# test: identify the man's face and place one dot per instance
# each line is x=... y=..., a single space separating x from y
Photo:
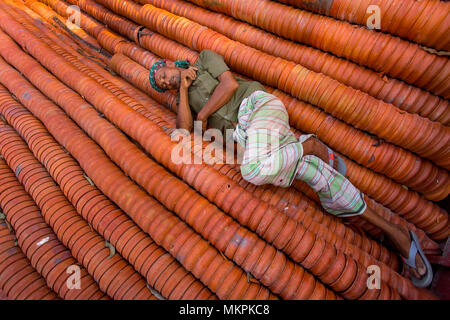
x=168 y=78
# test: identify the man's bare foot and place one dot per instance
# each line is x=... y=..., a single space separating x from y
x=422 y=274
x=402 y=241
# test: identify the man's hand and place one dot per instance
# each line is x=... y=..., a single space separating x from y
x=187 y=76
x=204 y=121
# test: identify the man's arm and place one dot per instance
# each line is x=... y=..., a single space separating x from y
x=221 y=95
x=184 y=115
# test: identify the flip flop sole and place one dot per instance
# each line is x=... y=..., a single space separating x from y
x=425 y=281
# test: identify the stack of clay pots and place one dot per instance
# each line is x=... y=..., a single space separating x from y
x=89 y=152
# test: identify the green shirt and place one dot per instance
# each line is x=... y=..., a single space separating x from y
x=210 y=66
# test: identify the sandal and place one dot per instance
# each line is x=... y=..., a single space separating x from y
x=415 y=248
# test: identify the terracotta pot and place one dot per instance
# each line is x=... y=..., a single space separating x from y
x=347 y=277
x=358 y=286
x=320 y=294
x=308 y=286
x=324 y=263
x=335 y=269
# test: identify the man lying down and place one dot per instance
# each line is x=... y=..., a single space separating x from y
x=218 y=99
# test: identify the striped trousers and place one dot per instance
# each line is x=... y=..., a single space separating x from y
x=274 y=155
